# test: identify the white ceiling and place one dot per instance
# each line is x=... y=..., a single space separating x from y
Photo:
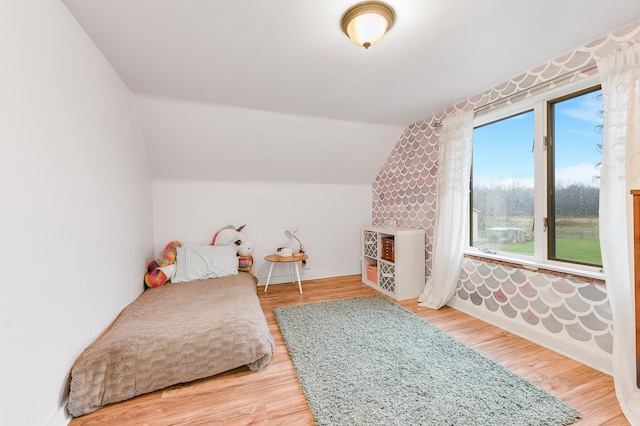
x=290 y=57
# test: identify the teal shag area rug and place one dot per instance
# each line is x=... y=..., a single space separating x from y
x=368 y=361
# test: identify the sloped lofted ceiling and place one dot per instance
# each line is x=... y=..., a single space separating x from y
x=276 y=88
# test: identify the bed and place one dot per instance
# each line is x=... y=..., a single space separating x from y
x=173 y=334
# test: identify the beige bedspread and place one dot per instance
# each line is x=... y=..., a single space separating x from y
x=173 y=334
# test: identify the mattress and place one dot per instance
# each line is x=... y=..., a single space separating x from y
x=173 y=334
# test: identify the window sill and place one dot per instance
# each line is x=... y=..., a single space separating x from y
x=571 y=274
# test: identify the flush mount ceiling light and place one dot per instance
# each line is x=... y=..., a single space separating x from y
x=366 y=23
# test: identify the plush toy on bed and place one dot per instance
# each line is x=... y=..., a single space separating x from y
x=162 y=267
x=229 y=235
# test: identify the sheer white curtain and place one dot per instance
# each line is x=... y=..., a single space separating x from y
x=620 y=78
x=452 y=210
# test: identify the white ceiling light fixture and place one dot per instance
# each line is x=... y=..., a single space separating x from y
x=366 y=23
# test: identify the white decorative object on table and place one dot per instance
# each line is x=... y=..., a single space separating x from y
x=284 y=251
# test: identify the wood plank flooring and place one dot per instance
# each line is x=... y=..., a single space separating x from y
x=273 y=396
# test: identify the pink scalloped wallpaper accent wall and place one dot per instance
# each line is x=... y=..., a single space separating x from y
x=405 y=191
x=405 y=188
x=571 y=311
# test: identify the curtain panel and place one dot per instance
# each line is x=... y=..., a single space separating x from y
x=620 y=172
x=452 y=209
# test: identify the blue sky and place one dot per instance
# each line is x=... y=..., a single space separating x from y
x=510 y=158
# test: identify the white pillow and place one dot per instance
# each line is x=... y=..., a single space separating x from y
x=202 y=262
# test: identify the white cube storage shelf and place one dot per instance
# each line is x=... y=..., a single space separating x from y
x=403 y=278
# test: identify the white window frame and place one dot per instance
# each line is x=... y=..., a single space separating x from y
x=539 y=260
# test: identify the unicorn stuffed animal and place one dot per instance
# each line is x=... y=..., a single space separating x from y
x=231 y=236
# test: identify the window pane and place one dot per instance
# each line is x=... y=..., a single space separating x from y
x=502 y=181
x=573 y=201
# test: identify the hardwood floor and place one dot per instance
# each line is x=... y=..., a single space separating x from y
x=273 y=397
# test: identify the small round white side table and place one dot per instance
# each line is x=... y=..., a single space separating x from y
x=291 y=260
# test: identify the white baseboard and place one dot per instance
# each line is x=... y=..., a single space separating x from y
x=599 y=362
x=307 y=274
x=60 y=417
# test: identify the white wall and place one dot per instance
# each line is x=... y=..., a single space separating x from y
x=328 y=218
x=75 y=204
x=218 y=143
x=271 y=171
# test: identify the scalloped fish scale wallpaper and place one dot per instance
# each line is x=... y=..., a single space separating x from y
x=405 y=191
x=579 y=311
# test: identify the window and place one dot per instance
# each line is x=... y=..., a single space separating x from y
x=574 y=194
x=534 y=191
x=502 y=185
